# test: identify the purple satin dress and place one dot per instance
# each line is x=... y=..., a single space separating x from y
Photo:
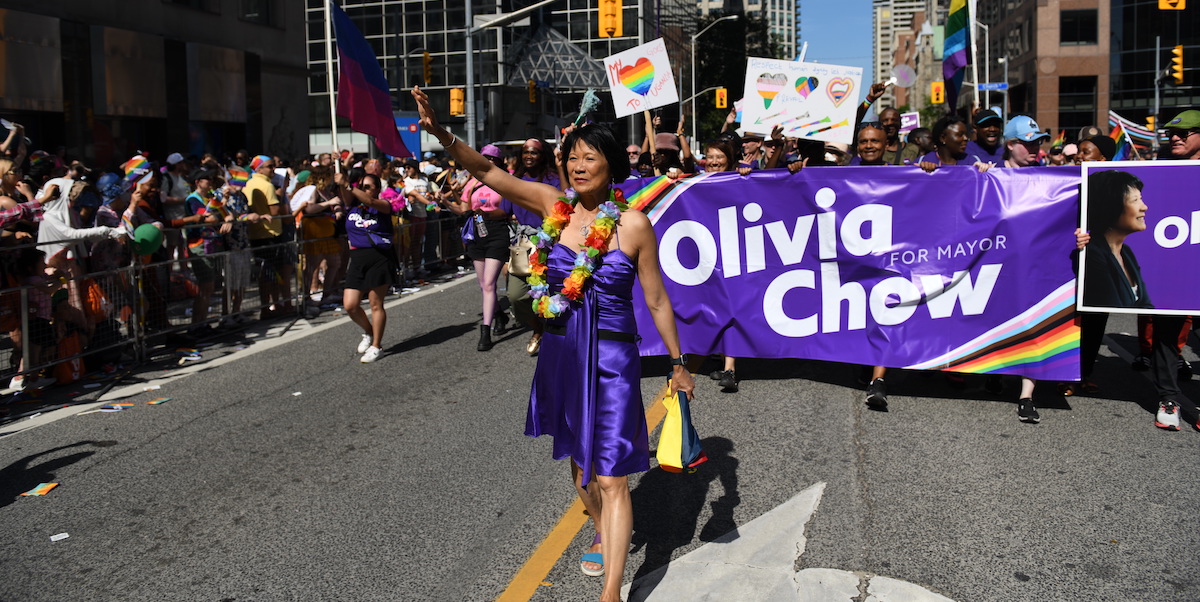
x=586 y=391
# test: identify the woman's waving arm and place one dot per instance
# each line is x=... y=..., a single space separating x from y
x=534 y=196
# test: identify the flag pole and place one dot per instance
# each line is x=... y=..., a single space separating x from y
x=337 y=157
x=971 y=22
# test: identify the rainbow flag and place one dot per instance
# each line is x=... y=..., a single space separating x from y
x=956 y=54
x=1124 y=146
x=41 y=489
x=1060 y=140
x=238 y=177
x=135 y=168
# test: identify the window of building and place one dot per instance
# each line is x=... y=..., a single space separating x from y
x=1076 y=102
x=212 y=6
x=1078 y=27
x=256 y=11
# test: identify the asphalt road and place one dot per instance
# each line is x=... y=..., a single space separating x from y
x=410 y=479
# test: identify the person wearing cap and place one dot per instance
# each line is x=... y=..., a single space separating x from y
x=666 y=155
x=489 y=250
x=267 y=240
x=1098 y=148
x=1183 y=131
x=988 y=143
x=753 y=155
x=535 y=166
x=175 y=191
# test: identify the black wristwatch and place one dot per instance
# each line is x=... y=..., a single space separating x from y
x=680 y=361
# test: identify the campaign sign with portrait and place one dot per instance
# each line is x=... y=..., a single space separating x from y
x=640 y=78
x=1144 y=221
x=810 y=100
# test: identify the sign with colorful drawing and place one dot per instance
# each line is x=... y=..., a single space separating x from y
x=640 y=78
x=810 y=100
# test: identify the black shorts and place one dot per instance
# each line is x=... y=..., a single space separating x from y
x=492 y=246
x=273 y=253
x=205 y=269
x=369 y=268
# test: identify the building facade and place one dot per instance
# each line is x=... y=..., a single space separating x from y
x=890 y=20
x=106 y=78
x=782 y=16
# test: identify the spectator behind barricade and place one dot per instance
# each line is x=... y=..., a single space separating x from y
x=753 y=155
x=203 y=206
x=175 y=189
x=15 y=146
x=29 y=269
x=667 y=155
x=634 y=152
x=317 y=206
x=1070 y=154
x=988 y=143
x=535 y=167
x=13 y=184
x=237 y=241
x=268 y=242
x=416 y=196
x=950 y=139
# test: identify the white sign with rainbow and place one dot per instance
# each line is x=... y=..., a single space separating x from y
x=640 y=78
x=810 y=100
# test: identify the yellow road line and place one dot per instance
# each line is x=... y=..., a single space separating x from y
x=527 y=580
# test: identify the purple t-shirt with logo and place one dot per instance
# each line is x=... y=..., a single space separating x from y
x=366 y=227
x=996 y=157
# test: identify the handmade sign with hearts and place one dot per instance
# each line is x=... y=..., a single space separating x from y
x=769 y=86
x=638 y=76
x=805 y=85
x=839 y=90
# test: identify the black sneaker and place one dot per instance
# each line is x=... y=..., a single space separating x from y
x=1185 y=369
x=728 y=382
x=1026 y=412
x=1141 y=363
x=877 y=395
x=716 y=374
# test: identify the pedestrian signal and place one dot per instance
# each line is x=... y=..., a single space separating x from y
x=1172 y=4
x=1177 y=64
x=937 y=92
x=611 y=19
x=532 y=91
x=722 y=98
x=458 y=101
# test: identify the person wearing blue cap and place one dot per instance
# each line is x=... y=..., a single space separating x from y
x=1023 y=142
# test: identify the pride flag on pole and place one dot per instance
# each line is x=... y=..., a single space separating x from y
x=1124 y=146
x=956 y=53
x=363 y=94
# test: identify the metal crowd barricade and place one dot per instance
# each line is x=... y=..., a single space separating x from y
x=135 y=306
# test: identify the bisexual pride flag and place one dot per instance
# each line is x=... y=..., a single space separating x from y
x=363 y=95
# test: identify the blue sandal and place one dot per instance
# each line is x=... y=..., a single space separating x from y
x=593 y=557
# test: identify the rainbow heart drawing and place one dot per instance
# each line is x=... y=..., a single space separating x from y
x=639 y=76
x=805 y=85
x=769 y=85
x=839 y=90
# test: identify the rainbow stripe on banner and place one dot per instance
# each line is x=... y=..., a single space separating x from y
x=645 y=198
x=238 y=177
x=1040 y=338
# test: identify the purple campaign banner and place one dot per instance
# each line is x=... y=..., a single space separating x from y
x=1168 y=250
x=953 y=270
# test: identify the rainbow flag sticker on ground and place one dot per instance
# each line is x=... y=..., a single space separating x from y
x=41 y=489
x=157 y=401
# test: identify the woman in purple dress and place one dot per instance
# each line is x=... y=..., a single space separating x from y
x=587 y=388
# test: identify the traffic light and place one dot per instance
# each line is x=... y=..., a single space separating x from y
x=1177 y=64
x=532 y=91
x=937 y=92
x=610 y=19
x=1150 y=123
x=458 y=101
x=1172 y=4
x=428 y=68
x=722 y=98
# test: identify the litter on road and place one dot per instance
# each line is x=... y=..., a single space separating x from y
x=156 y=401
x=59 y=537
x=41 y=489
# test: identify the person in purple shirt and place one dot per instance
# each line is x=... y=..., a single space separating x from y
x=950 y=138
x=988 y=144
x=535 y=166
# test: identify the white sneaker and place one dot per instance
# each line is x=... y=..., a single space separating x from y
x=1168 y=416
x=17 y=383
x=371 y=355
x=364 y=344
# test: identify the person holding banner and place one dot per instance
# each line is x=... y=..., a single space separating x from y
x=950 y=138
x=586 y=391
x=1113 y=278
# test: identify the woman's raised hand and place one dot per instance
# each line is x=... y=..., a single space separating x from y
x=428 y=119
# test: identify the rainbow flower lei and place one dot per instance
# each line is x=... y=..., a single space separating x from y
x=594 y=245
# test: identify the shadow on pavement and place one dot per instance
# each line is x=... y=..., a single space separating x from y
x=667 y=505
x=19 y=477
x=433 y=337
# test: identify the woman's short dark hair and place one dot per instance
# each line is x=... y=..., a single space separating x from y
x=727 y=150
x=1106 y=197
x=601 y=138
x=942 y=124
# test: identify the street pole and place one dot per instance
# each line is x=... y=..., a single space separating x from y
x=695 y=149
x=470 y=95
x=987 y=64
x=1157 y=78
